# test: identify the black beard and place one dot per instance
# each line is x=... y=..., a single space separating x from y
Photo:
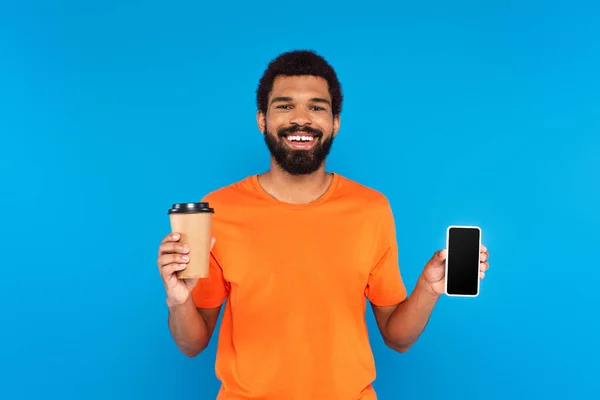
x=298 y=162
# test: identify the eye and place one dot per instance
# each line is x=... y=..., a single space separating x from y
x=284 y=107
x=317 y=108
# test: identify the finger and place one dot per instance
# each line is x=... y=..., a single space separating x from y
x=440 y=255
x=172 y=237
x=173 y=247
x=483 y=257
x=482 y=275
x=439 y=258
x=483 y=266
x=173 y=258
x=191 y=283
x=484 y=249
x=169 y=269
x=212 y=242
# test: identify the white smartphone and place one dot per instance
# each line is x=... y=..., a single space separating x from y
x=463 y=244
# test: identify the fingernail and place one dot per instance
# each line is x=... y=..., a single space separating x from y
x=185 y=258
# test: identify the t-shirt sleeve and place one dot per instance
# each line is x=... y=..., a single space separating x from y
x=385 y=286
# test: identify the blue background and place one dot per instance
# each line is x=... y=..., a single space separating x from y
x=472 y=112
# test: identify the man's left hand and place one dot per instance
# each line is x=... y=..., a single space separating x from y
x=434 y=273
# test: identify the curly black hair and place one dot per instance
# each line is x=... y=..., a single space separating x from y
x=298 y=63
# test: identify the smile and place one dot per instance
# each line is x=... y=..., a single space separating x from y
x=300 y=141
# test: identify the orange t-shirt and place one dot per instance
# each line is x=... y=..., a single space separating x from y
x=295 y=279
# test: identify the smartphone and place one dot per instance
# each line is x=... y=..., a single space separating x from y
x=463 y=244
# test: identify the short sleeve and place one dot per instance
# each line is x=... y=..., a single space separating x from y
x=385 y=286
x=210 y=292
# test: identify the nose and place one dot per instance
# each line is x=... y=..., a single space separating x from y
x=300 y=117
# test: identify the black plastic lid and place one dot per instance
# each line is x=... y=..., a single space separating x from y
x=190 y=208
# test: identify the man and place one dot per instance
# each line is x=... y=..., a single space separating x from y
x=296 y=252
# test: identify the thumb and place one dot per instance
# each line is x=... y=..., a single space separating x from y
x=439 y=258
x=190 y=283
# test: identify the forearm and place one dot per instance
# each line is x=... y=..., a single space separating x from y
x=409 y=319
x=188 y=328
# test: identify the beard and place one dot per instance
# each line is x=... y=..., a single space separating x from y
x=298 y=162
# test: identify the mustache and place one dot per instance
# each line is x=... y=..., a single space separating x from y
x=317 y=133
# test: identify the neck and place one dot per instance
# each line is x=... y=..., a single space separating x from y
x=293 y=189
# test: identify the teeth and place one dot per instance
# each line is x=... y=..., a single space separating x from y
x=300 y=138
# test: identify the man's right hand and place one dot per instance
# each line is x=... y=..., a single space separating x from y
x=173 y=256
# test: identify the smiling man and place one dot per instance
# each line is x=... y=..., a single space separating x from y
x=297 y=253
x=299 y=145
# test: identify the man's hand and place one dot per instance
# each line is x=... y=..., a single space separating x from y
x=173 y=257
x=434 y=273
x=402 y=324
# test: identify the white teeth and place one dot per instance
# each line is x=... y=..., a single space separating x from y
x=300 y=138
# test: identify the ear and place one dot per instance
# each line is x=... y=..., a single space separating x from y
x=261 y=121
x=336 y=124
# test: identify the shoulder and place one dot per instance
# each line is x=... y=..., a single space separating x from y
x=230 y=193
x=375 y=199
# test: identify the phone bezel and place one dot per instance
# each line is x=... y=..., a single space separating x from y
x=448 y=256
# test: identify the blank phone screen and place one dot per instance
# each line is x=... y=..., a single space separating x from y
x=463 y=261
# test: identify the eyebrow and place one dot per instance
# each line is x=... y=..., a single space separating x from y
x=314 y=100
